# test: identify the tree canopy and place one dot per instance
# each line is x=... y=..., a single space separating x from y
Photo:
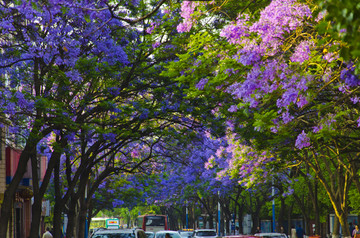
x=211 y=94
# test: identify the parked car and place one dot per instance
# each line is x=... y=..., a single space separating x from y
x=240 y=236
x=186 y=233
x=150 y=234
x=172 y=234
x=119 y=233
x=205 y=233
x=271 y=235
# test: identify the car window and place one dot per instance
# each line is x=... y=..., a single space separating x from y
x=150 y=235
x=206 y=233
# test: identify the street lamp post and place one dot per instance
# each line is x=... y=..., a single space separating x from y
x=187 y=216
x=219 y=221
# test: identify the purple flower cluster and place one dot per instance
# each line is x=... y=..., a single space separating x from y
x=201 y=84
x=280 y=17
x=237 y=31
x=302 y=141
x=63 y=33
x=276 y=20
x=302 y=51
x=187 y=11
x=348 y=76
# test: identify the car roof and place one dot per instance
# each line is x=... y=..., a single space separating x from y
x=101 y=231
x=270 y=234
x=167 y=231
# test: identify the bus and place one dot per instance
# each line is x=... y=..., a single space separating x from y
x=104 y=222
x=152 y=223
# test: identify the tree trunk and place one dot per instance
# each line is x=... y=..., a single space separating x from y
x=211 y=221
x=227 y=226
x=58 y=208
x=82 y=219
x=281 y=215
x=240 y=219
x=71 y=217
x=39 y=191
x=37 y=205
x=336 y=228
x=83 y=209
x=289 y=219
x=344 y=223
x=316 y=210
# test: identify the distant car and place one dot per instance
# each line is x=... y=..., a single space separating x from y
x=173 y=234
x=240 y=236
x=205 y=233
x=119 y=233
x=186 y=234
x=271 y=235
x=150 y=234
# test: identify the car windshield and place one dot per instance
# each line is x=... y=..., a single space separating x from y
x=114 y=235
x=206 y=233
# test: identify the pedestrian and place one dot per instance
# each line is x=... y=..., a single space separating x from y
x=257 y=230
x=282 y=230
x=351 y=227
x=356 y=232
x=299 y=232
x=237 y=229
x=47 y=233
x=293 y=232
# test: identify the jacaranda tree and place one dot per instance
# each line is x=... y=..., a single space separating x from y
x=294 y=99
x=85 y=75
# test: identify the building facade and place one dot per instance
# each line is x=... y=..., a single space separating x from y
x=20 y=222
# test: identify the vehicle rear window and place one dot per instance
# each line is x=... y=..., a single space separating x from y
x=155 y=221
x=206 y=233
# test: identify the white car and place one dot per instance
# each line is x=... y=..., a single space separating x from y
x=119 y=233
x=172 y=234
x=271 y=235
x=205 y=233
